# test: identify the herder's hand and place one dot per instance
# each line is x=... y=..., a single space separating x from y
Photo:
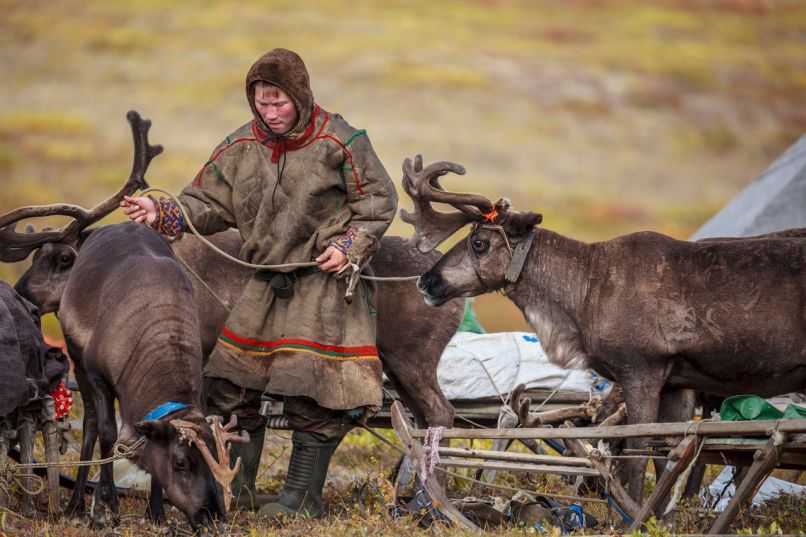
x=139 y=209
x=331 y=260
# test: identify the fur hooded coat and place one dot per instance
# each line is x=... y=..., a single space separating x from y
x=291 y=197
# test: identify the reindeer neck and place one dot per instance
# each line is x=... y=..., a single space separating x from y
x=556 y=271
x=150 y=387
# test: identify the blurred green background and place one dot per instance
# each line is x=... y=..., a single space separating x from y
x=606 y=116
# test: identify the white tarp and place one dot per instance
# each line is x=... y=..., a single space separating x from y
x=475 y=366
x=723 y=490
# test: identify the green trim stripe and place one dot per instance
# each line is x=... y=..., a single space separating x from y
x=354 y=136
x=215 y=168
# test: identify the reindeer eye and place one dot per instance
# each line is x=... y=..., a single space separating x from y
x=65 y=260
x=480 y=245
x=181 y=464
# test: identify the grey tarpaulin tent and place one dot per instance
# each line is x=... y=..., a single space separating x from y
x=774 y=201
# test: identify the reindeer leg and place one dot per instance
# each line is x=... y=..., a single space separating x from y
x=676 y=405
x=403 y=472
x=642 y=396
x=427 y=403
x=156 y=509
x=105 y=492
x=76 y=505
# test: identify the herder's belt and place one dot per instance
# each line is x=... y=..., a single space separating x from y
x=282 y=283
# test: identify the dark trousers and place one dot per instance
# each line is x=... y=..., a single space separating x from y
x=303 y=413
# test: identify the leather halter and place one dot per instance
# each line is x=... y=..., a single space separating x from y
x=517 y=257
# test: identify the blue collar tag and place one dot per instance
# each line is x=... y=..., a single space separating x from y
x=163 y=410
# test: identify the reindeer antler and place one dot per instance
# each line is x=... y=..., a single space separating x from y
x=422 y=185
x=520 y=405
x=16 y=246
x=220 y=468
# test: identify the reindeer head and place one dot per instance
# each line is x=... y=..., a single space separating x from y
x=494 y=251
x=43 y=283
x=180 y=460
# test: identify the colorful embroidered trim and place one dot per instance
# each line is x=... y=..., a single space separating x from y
x=62 y=400
x=170 y=221
x=281 y=144
x=290 y=145
x=265 y=348
x=350 y=158
x=345 y=242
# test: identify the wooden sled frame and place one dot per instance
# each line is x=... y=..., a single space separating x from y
x=704 y=439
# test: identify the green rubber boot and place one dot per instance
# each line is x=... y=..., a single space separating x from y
x=307 y=471
x=244 y=493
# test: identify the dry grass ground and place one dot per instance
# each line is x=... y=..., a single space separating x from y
x=359 y=498
x=606 y=116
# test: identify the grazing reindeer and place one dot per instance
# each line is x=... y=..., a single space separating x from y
x=129 y=320
x=723 y=316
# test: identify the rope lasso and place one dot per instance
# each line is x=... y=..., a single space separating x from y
x=120 y=451
x=253 y=265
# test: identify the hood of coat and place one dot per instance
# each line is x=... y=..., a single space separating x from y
x=286 y=70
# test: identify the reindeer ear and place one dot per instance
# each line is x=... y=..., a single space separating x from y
x=519 y=224
x=156 y=430
x=84 y=235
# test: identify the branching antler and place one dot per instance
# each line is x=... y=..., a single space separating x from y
x=422 y=185
x=16 y=246
x=520 y=405
x=222 y=435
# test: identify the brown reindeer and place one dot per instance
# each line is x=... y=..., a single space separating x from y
x=648 y=311
x=129 y=320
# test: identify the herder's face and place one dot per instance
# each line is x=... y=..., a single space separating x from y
x=276 y=108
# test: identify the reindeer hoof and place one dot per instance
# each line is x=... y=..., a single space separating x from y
x=102 y=516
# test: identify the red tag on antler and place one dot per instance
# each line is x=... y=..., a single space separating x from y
x=491 y=216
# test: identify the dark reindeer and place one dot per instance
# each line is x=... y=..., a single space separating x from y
x=129 y=320
x=721 y=316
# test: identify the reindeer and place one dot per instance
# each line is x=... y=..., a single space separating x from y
x=723 y=316
x=129 y=320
